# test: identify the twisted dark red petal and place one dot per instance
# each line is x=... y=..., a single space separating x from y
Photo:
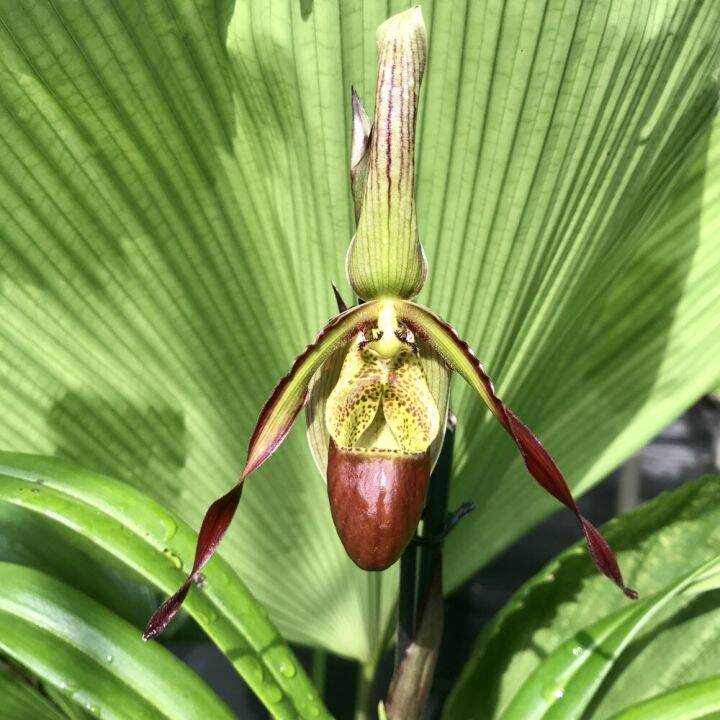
x=214 y=525
x=543 y=468
x=270 y=430
x=537 y=459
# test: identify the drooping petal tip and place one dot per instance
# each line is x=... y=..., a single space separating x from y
x=166 y=612
x=604 y=558
x=216 y=521
x=538 y=461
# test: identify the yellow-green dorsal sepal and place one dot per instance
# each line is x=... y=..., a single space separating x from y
x=385 y=256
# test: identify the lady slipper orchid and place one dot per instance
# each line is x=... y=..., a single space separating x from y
x=375 y=383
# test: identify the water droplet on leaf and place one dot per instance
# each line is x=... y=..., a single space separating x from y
x=272 y=692
x=254 y=670
x=173 y=557
x=169 y=528
x=287 y=668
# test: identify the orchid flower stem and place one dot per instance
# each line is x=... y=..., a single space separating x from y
x=406 y=601
x=435 y=516
x=435 y=528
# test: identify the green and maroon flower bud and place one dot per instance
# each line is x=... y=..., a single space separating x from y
x=385 y=256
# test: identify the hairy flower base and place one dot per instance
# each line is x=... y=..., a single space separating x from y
x=376 y=498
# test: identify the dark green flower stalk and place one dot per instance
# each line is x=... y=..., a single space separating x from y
x=375 y=382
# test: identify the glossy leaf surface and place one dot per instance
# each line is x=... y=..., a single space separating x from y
x=565 y=682
x=175 y=201
x=93 y=656
x=565 y=646
x=695 y=701
x=29 y=540
x=21 y=701
x=156 y=547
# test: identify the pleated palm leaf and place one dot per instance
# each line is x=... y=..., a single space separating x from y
x=175 y=202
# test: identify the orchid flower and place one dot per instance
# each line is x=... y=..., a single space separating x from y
x=375 y=382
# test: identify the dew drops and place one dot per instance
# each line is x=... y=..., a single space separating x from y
x=173 y=557
x=553 y=694
x=577 y=651
x=211 y=617
x=169 y=528
x=68 y=687
x=272 y=692
x=287 y=668
x=645 y=134
x=108 y=658
x=253 y=670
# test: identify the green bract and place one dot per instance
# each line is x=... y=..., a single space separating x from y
x=385 y=256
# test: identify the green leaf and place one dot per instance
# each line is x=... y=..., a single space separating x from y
x=569 y=637
x=72 y=710
x=21 y=701
x=690 y=702
x=155 y=546
x=92 y=655
x=32 y=541
x=176 y=200
x=565 y=682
